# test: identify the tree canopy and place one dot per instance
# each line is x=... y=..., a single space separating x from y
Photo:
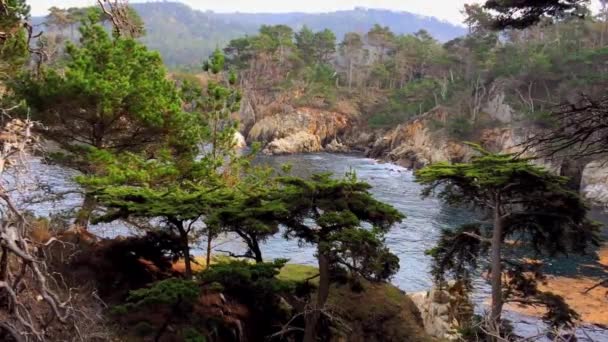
x=331 y=214
x=524 y=203
x=520 y=14
x=113 y=94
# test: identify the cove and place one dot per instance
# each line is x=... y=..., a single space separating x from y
x=409 y=240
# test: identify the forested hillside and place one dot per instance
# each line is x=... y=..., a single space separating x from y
x=182 y=35
x=479 y=81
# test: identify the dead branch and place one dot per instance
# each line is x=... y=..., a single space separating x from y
x=581 y=130
x=15 y=143
x=119 y=13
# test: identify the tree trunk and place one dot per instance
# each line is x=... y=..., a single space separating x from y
x=4 y=264
x=84 y=214
x=496 y=269
x=186 y=250
x=257 y=252
x=312 y=319
x=350 y=74
x=209 y=239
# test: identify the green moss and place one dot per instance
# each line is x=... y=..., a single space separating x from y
x=381 y=312
x=297 y=273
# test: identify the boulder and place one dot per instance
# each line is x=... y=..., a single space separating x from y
x=444 y=310
x=239 y=140
x=336 y=147
x=300 y=142
x=594 y=182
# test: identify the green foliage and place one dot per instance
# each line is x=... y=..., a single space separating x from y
x=170 y=291
x=415 y=98
x=253 y=283
x=526 y=203
x=180 y=187
x=521 y=14
x=339 y=208
x=108 y=86
x=215 y=64
x=457 y=253
x=459 y=127
x=13 y=46
x=254 y=212
x=305 y=42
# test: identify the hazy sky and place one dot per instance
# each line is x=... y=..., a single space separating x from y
x=443 y=9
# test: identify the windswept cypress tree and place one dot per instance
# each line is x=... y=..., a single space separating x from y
x=254 y=213
x=524 y=203
x=331 y=214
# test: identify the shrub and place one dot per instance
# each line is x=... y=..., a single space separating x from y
x=459 y=127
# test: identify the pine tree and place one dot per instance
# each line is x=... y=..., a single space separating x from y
x=254 y=213
x=183 y=188
x=112 y=95
x=13 y=37
x=324 y=43
x=305 y=42
x=524 y=203
x=330 y=213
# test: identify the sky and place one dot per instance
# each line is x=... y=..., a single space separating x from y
x=443 y=9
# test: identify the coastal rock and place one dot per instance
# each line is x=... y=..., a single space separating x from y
x=336 y=146
x=239 y=140
x=594 y=182
x=295 y=143
x=497 y=109
x=299 y=130
x=444 y=311
x=414 y=145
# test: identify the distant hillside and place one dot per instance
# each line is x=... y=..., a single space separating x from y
x=185 y=36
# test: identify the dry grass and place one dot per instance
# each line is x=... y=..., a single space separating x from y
x=592 y=306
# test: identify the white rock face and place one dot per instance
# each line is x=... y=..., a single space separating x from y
x=336 y=147
x=594 y=183
x=498 y=109
x=239 y=140
x=300 y=142
x=443 y=310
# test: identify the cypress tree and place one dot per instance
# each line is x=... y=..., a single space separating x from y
x=331 y=214
x=524 y=203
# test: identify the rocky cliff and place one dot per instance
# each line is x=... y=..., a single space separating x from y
x=299 y=130
x=284 y=128
x=418 y=142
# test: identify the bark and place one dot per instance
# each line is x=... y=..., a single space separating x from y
x=209 y=239
x=257 y=252
x=496 y=267
x=86 y=210
x=4 y=264
x=312 y=319
x=186 y=250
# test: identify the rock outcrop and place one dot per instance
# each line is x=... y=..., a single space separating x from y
x=414 y=145
x=239 y=141
x=444 y=311
x=299 y=142
x=301 y=130
x=594 y=182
